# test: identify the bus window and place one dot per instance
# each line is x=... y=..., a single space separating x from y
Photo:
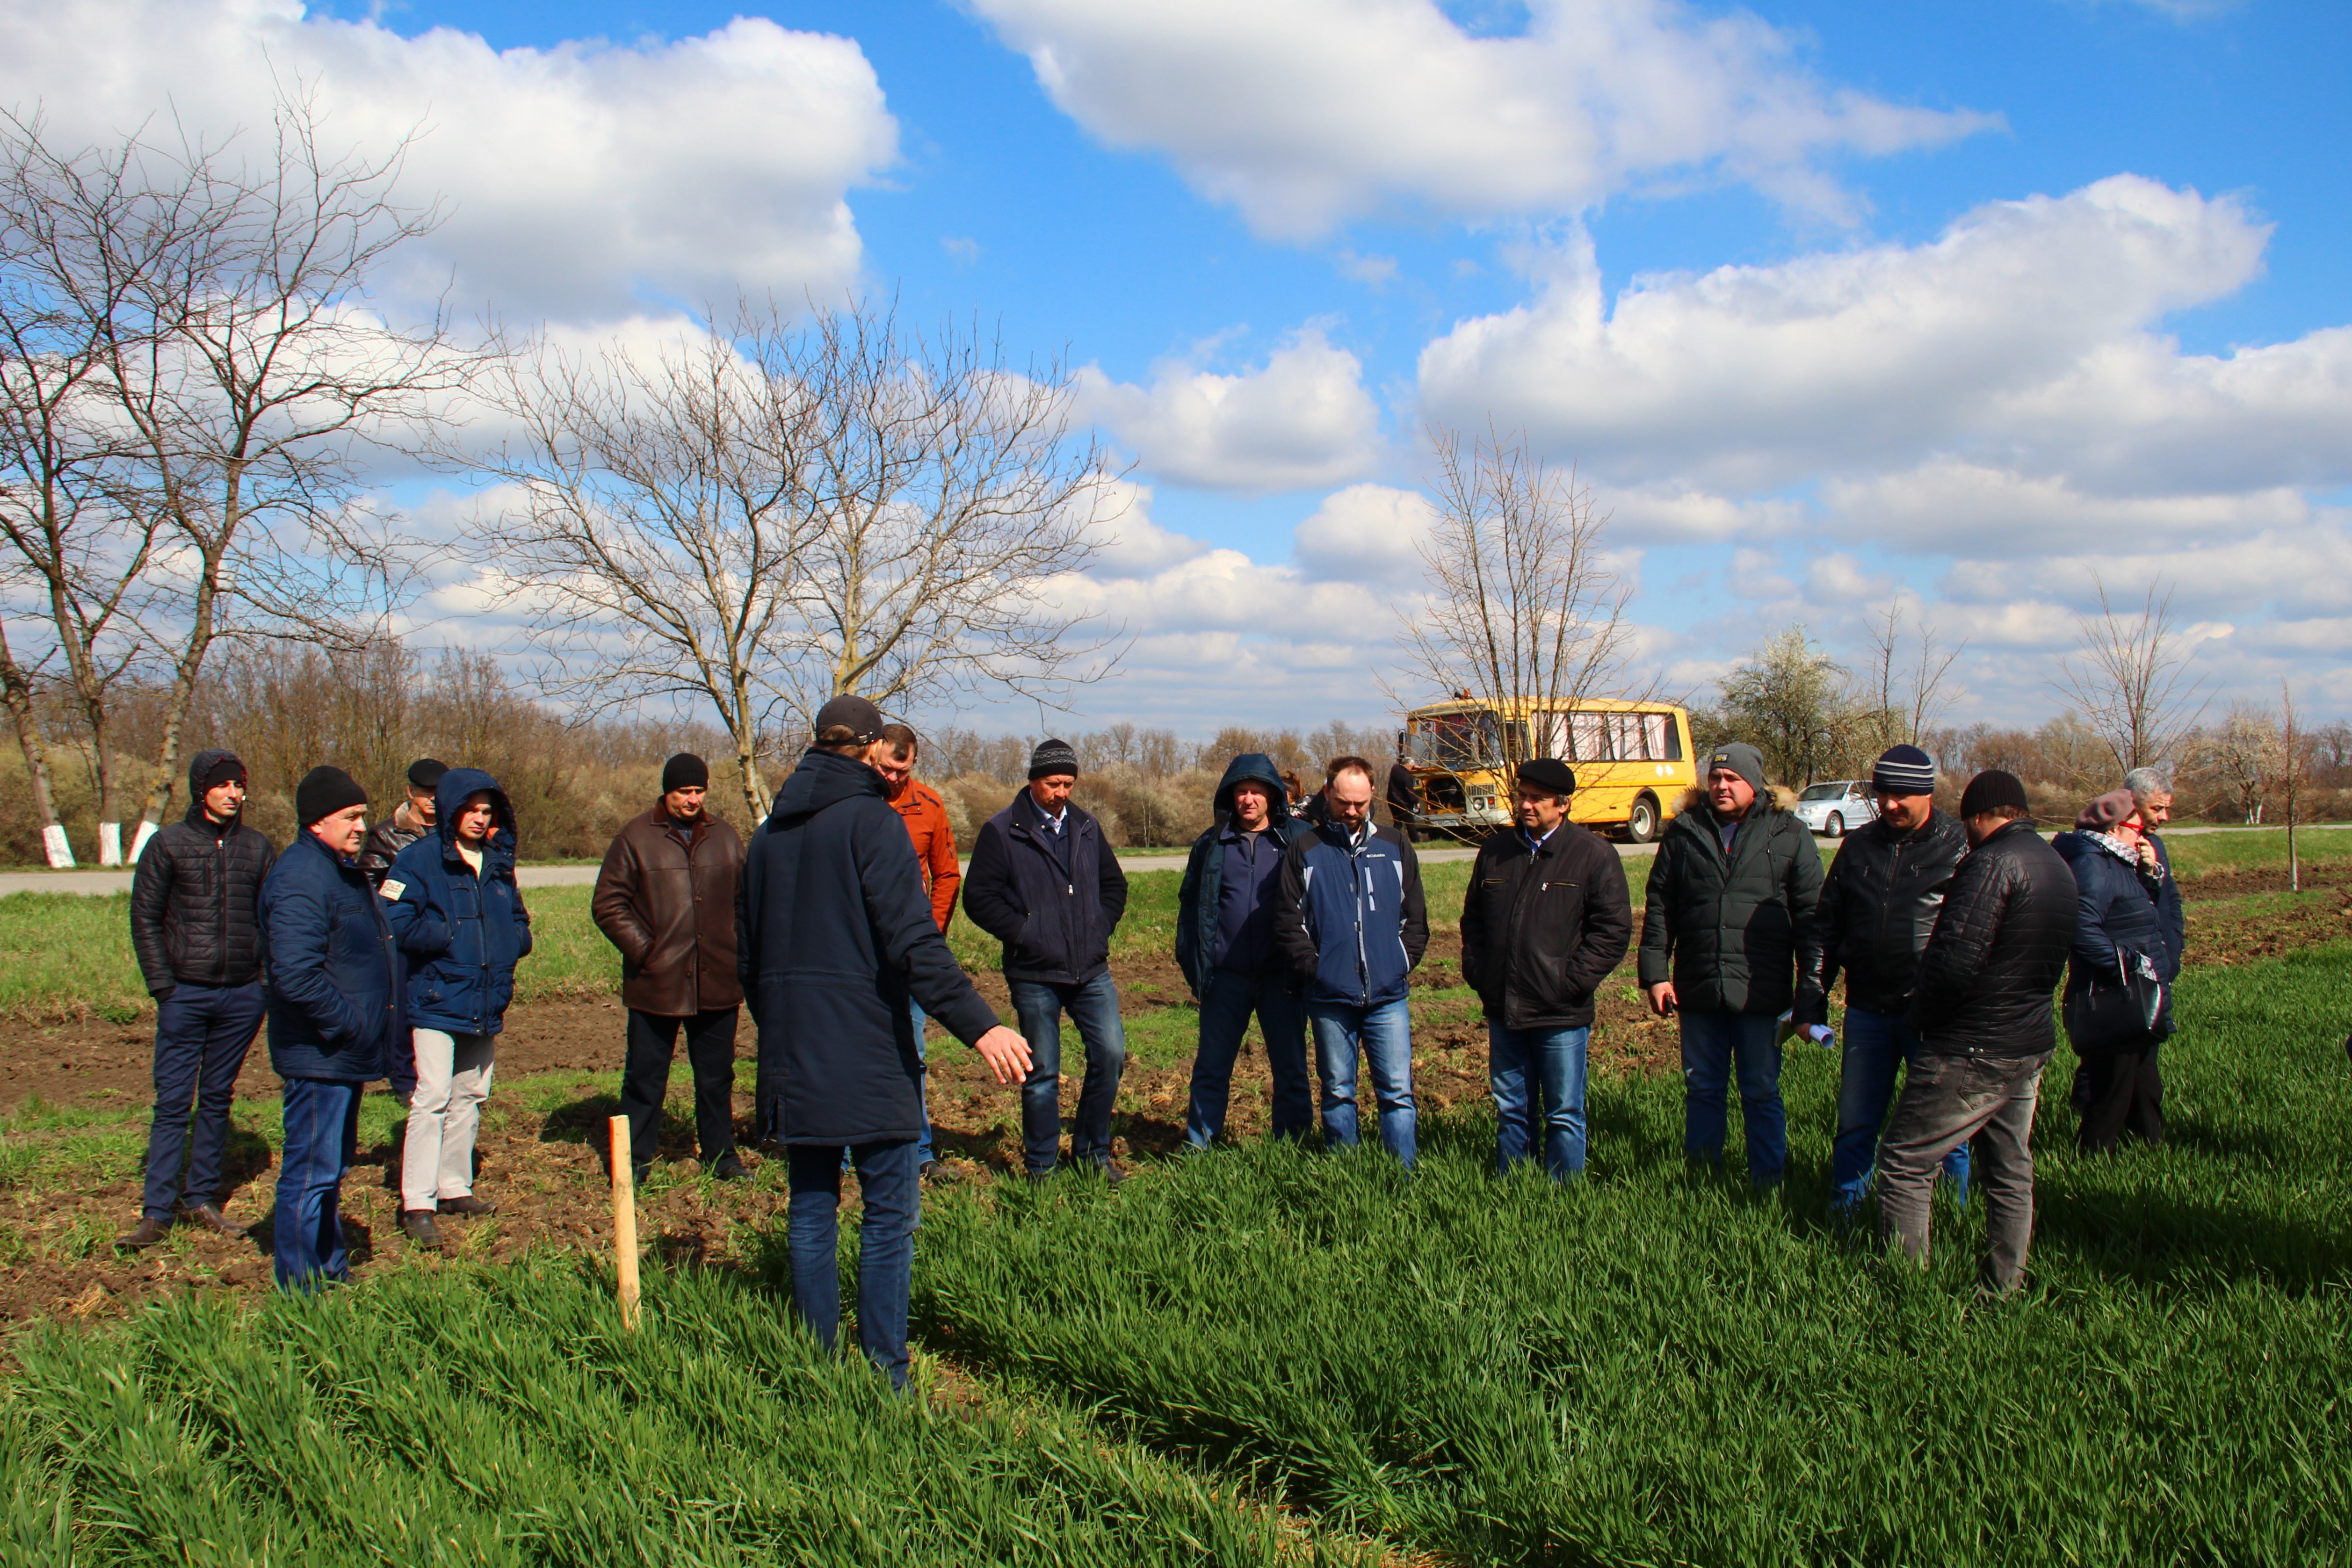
x=1673 y=749
x=1455 y=740
x=1590 y=732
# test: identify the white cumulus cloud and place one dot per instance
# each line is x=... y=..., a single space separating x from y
x=1306 y=113
x=1300 y=420
x=2006 y=335
x=579 y=178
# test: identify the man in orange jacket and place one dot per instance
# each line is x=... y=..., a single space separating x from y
x=926 y=816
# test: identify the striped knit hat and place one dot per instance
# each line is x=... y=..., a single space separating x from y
x=1904 y=770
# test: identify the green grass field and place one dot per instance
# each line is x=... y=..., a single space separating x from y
x=1660 y=1367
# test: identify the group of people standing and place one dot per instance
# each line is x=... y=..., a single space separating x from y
x=392 y=953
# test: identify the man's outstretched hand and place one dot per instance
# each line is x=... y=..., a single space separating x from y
x=1007 y=1053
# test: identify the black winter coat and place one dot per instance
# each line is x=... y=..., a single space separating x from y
x=2119 y=906
x=195 y=897
x=1737 y=933
x=833 y=930
x=1053 y=918
x=1542 y=928
x=1879 y=904
x=1997 y=950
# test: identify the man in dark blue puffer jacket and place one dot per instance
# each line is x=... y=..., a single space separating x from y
x=329 y=984
x=1349 y=917
x=1226 y=947
x=453 y=901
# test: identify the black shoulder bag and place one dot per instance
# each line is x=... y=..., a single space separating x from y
x=2106 y=1015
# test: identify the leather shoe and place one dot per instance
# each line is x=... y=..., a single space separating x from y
x=1112 y=1172
x=927 y=1170
x=729 y=1168
x=209 y=1216
x=417 y=1224
x=467 y=1204
x=151 y=1231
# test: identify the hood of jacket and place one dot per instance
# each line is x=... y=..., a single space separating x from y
x=825 y=779
x=450 y=794
x=2079 y=845
x=1254 y=765
x=198 y=765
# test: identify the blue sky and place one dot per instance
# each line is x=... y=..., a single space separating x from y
x=1939 y=303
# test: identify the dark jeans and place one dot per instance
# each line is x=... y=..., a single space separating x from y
x=401 y=1068
x=1712 y=1044
x=644 y=1079
x=322 y=1133
x=1384 y=1036
x=201 y=1033
x=1876 y=1046
x=1094 y=1008
x=1537 y=1076
x=891 y=1190
x=2122 y=1092
x=1946 y=1101
x=1228 y=997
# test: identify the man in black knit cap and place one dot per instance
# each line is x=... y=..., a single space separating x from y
x=1044 y=883
x=1982 y=1015
x=195 y=927
x=331 y=1009
x=666 y=898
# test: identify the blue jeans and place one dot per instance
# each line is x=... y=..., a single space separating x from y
x=1875 y=1045
x=1529 y=1065
x=201 y=1033
x=322 y=1133
x=1094 y=1008
x=1385 y=1035
x=1227 y=999
x=1712 y=1043
x=893 y=1195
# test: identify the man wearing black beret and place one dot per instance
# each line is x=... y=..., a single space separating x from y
x=1547 y=918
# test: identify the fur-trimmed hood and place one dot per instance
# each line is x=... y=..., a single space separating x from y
x=1694 y=800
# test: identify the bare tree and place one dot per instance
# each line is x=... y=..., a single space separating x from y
x=770 y=514
x=662 y=507
x=238 y=383
x=952 y=498
x=1521 y=608
x=16 y=690
x=2130 y=679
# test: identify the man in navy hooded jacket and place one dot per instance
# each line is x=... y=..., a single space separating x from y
x=453 y=901
x=834 y=931
x=1225 y=946
x=1349 y=918
x=329 y=985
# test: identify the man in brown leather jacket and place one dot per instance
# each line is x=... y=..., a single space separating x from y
x=666 y=898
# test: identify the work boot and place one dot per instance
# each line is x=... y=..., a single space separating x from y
x=151 y=1231
x=417 y=1224
x=467 y=1204
x=209 y=1216
x=729 y=1168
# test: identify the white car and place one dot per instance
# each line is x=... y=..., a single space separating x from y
x=1835 y=810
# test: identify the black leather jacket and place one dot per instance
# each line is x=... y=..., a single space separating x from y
x=1998 y=951
x=192 y=904
x=1879 y=906
x=1542 y=928
x=382 y=846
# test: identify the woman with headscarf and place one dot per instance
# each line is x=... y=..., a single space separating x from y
x=2125 y=955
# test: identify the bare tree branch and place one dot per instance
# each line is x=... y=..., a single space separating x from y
x=2130 y=679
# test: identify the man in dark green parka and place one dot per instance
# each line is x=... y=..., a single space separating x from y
x=1730 y=943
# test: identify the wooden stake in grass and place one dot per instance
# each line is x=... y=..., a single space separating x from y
x=624 y=1220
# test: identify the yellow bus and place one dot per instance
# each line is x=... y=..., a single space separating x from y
x=1632 y=761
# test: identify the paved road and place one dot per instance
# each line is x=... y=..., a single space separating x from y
x=101 y=883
